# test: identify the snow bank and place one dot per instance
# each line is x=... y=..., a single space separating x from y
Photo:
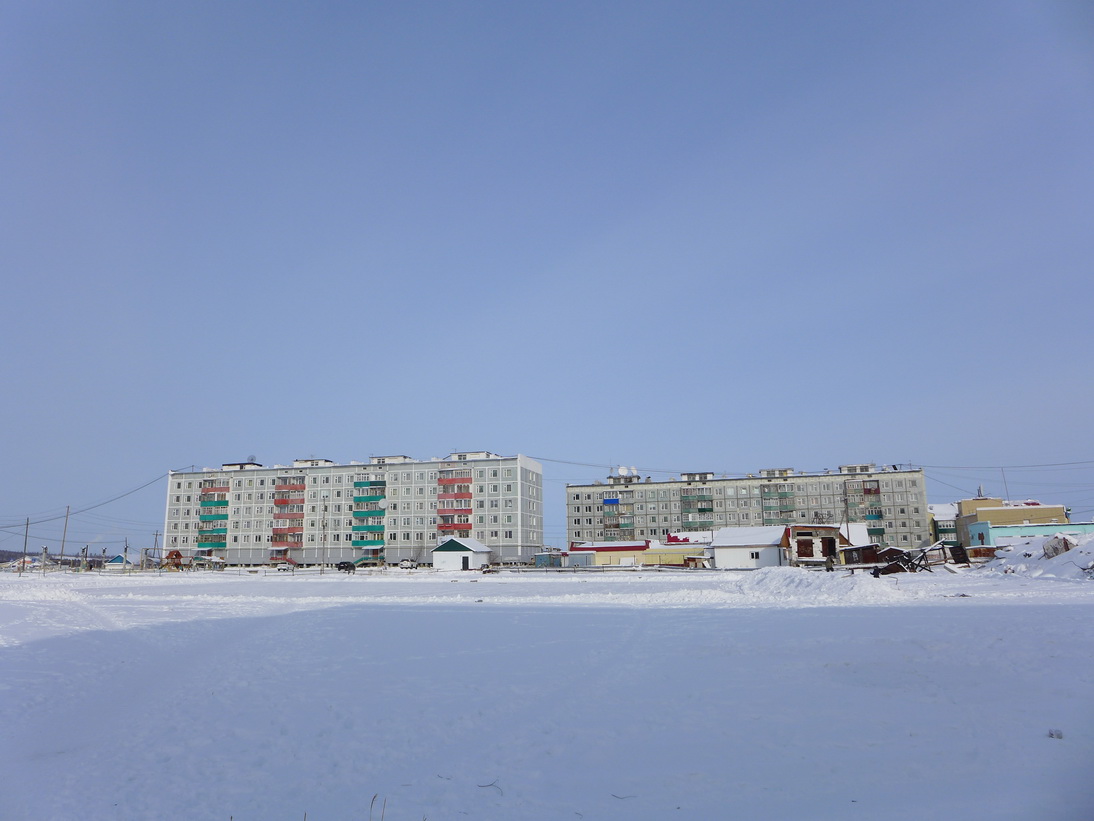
x=1060 y=556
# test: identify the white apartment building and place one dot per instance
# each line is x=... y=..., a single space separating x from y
x=381 y=511
x=891 y=501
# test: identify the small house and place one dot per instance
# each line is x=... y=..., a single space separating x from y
x=462 y=553
x=119 y=562
x=747 y=548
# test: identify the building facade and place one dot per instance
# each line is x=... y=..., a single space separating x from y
x=997 y=512
x=892 y=502
x=381 y=511
x=944 y=524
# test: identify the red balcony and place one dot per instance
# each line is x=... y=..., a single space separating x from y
x=288 y=515
x=288 y=501
x=287 y=487
x=453 y=511
x=453 y=495
x=454 y=480
x=458 y=526
x=287 y=542
x=206 y=490
x=282 y=531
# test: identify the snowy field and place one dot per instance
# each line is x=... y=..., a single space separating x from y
x=780 y=694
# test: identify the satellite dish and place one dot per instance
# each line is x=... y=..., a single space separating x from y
x=382 y=504
x=251 y=458
x=634 y=471
x=623 y=471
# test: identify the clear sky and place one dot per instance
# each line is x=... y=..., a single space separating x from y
x=677 y=235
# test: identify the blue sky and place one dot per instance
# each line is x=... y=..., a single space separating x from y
x=682 y=236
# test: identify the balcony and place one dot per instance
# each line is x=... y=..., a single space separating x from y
x=373 y=498
x=453 y=511
x=213 y=517
x=284 y=531
x=361 y=514
x=374 y=483
x=299 y=501
x=205 y=491
x=367 y=543
x=454 y=480
x=213 y=531
x=442 y=496
x=289 y=486
x=368 y=528
x=456 y=526
x=215 y=503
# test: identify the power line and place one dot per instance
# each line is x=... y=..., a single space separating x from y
x=1006 y=467
x=89 y=507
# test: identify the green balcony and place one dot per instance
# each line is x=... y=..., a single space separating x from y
x=374 y=498
x=367 y=542
x=378 y=483
x=361 y=514
x=214 y=531
x=368 y=528
x=207 y=545
x=223 y=503
x=213 y=517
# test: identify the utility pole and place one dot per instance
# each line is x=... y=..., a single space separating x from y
x=64 y=533
x=26 y=533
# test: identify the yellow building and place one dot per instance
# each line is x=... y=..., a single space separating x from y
x=998 y=512
x=633 y=554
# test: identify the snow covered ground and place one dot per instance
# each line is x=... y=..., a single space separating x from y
x=778 y=694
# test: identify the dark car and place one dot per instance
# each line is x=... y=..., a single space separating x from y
x=348 y=567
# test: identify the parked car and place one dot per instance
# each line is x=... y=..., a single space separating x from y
x=346 y=567
x=408 y=564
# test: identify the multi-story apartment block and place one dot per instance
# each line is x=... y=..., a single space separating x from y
x=890 y=500
x=381 y=511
